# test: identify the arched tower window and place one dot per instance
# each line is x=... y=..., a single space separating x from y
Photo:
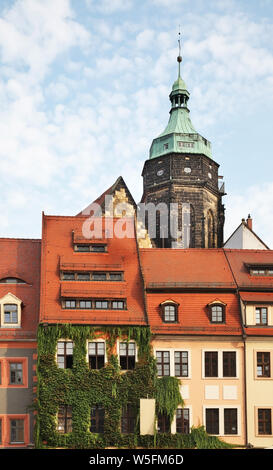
x=188 y=226
x=210 y=230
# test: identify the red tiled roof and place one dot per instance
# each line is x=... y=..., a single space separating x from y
x=20 y=258
x=58 y=253
x=258 y=297
x=239 y=259
x=178 y=274
x=193 y=314
x=261 y=331
x=186 y=268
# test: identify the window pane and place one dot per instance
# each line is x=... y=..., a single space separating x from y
x=115 y=276
x=183 y=420
x=97 y=419
x=98 y=248
x=181 y=363
x=123 y=348
x=131 y=349
x=10 y=313
x=64 y=421
x=163 y=363
x=230 y=421
x=128 y=419
x=82 y=248
x=85 y=304
x=263 y=364
x=217 y=314
x=229 y=364
x=264 y=421
x=96 y=355
x=261 y=315
x=169 y=313
x=65 y=354
x=211 y=364
x=16 y=373
x=212 y=420
x=99 y=276
x=127 y=356
x=83 y=277
x=163 y=423
x=17 y=430
x=70 y=304
x=118 y=304
x=101 y=304
x=68 y=276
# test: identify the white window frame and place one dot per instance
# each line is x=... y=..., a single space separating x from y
x=96 y=340
x=125 y=341
x=172 y=368
x=173 y=423
x=220 y=364
x=221 y=409
x=7 y=300
x=62 y=340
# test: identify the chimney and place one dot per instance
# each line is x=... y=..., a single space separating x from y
x=249 y=222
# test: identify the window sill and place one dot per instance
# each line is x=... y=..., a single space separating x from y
x=10 y=327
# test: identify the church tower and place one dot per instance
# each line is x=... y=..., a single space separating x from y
x=180 y=173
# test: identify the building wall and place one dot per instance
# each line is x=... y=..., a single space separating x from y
x=190 y=179
x=259 y=392
x=199 y=392
x=16 y=400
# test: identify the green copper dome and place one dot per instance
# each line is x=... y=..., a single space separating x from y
x=179 y=84
x=180 y=135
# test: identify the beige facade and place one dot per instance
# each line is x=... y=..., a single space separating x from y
x=259 y=379
x=259 y=392
x=202 y=393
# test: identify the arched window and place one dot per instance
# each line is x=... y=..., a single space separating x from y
x=217 y=312
x=169 y=311
x=188 y=225
x=10 y=314
x=12 y=280
x=10 y=309
x=210 y=230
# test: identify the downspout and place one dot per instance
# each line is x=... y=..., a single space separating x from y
x=244 y=336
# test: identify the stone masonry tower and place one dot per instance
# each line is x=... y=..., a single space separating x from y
x=181 y=172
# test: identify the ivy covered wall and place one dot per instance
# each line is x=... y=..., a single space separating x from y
x=109 y=387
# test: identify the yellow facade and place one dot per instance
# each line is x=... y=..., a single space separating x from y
x=259 y=392
x=201 y=393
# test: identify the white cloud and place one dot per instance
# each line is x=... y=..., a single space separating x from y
x=82 y=98
x=110 y=6
x=33 y=33
x=145 y=39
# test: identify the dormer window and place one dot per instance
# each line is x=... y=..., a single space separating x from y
x=260 y=270
x=10 y=311
x=261 y=315
x=169 y=311
x=94 y=248
x=10 y=314
x=217 y=312
x=11 y=280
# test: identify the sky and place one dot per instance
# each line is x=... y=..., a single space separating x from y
x=84 y=89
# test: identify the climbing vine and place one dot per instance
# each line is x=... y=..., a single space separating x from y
x=109 y=387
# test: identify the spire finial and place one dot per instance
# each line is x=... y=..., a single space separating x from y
x=179 y=58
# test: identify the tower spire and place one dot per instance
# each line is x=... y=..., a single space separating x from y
x=179 y=58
